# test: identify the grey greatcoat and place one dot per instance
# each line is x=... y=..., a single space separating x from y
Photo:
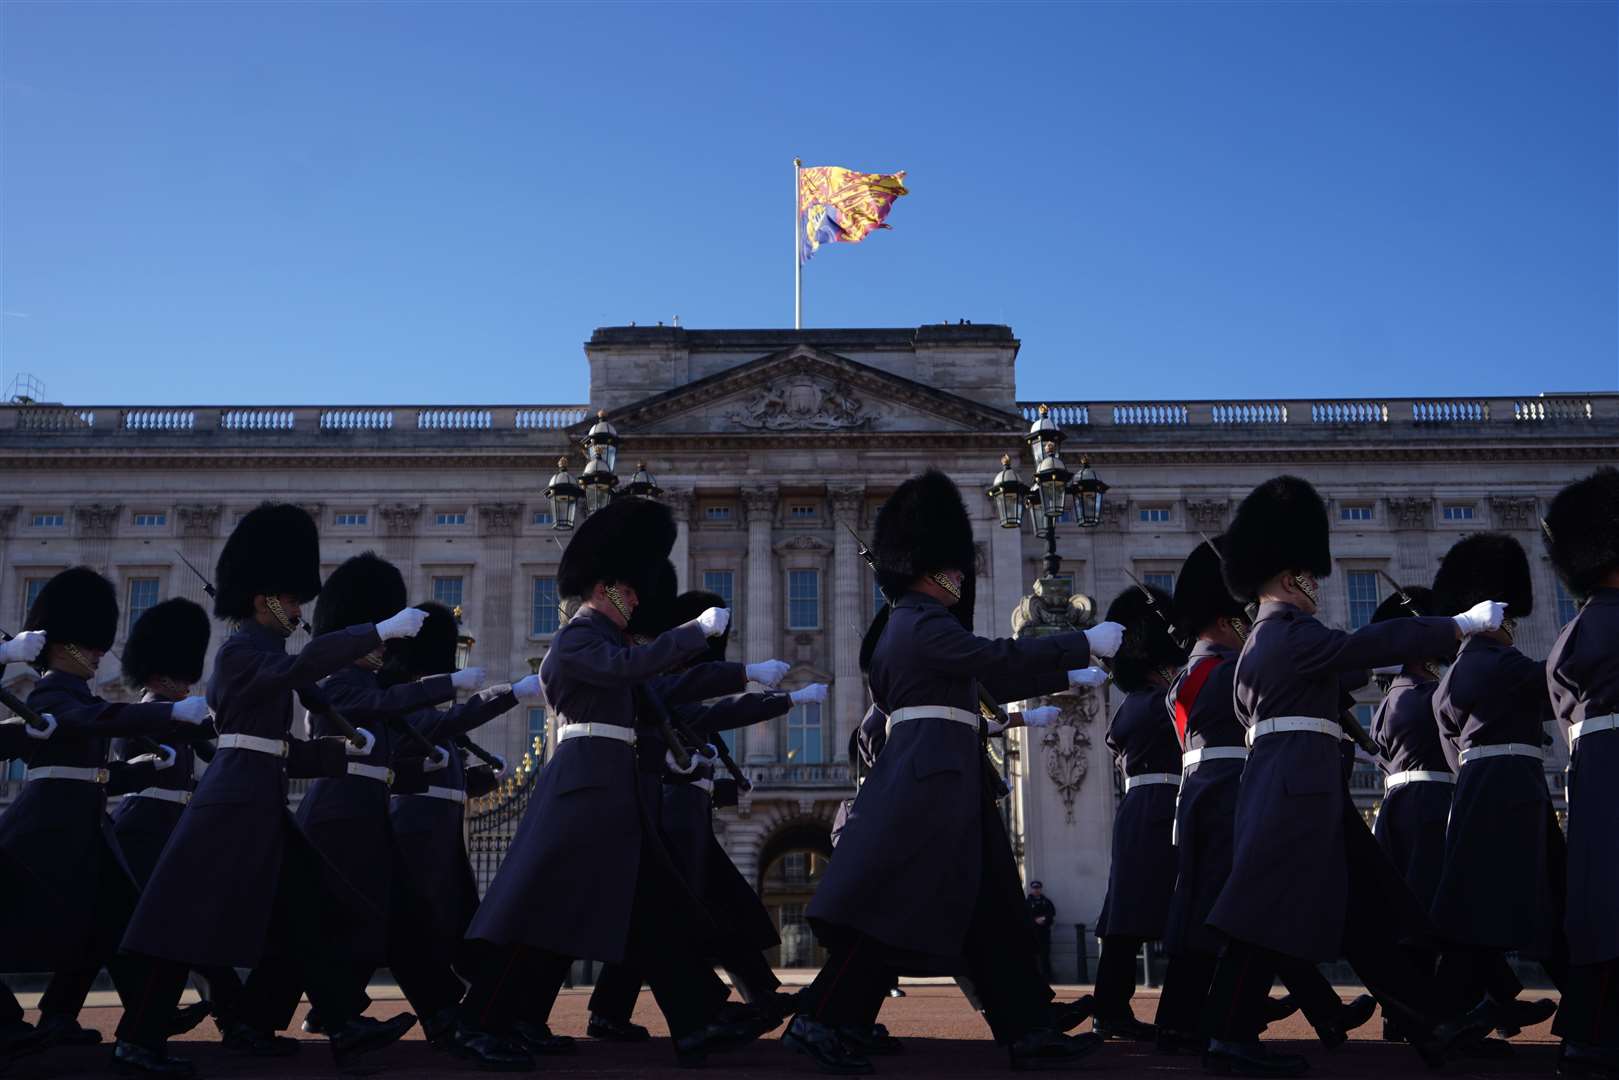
x=1141 y=876
x=1583 y=674
x=567 y=884
x=1497 y=889
x=1207 y=805
x=1411 y=821
x=210 y=898
x=59 y=833
x=1290 y=869
x=908 y=862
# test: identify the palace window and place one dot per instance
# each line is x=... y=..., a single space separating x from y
x=151 y=521
x=1157 y=515
x=450 y=517
x=803 y=600
x=1164 y=581
x=1567 y=608
x=722 y=583
x=448 y=590
x=1363 y=599
x=804 y=734
x=802 y=512
x=351 y=517
x=547 y=616
x=717 y=512
x=1459 y=512
x=542 y=517
x=49 y=520
x=142 y=595
x=1355 y=512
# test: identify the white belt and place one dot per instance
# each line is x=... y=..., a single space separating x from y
x=1281 y=725
x=596 y=731
x=1511 y=749
x=165 y=794
x=942 y=712
x=67 y=772
x=1213 y=753
x=273 y=747
x=448 y=794
x=1593 y=724
x=1143 y=779
x=371 y=772
x=1417 y=776
x=706 y=785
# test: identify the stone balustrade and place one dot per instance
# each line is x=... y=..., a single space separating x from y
x=1347 y=413
x=274 y=419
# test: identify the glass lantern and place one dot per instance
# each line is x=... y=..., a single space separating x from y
x=602 y=441
x=598 y=481
x=1088 y=493
x=564 y=495
x=1051 y=481
x=1044 y=430
x=642 y=484
x=1007 y=494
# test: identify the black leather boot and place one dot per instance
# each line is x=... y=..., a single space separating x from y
x=362 y=1035
x=1436 y=1044
x=59 y=1030
x=822 y=1044
x=1068 y=1015
x=607 y=1029
x=1044 y=1048
x=488 y=1052
x=1336 y=1032
x=1511 y=1017
x=1125 y=1027
x=538 y=1039
x=240 y=1038
x=189 y=1017
x=1250 y=1059
x=1278 y=1008
x=870 y=1040
x=1576 y=1061
x=1173 y=1043
x=133 y=1059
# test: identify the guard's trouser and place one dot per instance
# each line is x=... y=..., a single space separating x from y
x=1589 y=1013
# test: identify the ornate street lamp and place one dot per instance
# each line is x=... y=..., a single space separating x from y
x=642 y=484
x=1056 y=488
x=602 y=441
x=598 y=481
x=1007 y=493
x=564 y=495
x=463 y=642
x=1044 y=430
x=1088 y=492
x=1051 y=480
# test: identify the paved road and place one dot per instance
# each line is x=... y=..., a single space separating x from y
x=943 y=1038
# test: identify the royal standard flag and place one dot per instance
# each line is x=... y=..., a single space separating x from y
x=841 y=206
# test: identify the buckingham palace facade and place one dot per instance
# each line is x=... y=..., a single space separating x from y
x=767 y=443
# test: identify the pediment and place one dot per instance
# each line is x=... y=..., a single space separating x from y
x=804 y=390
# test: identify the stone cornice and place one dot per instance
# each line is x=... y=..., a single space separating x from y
x=198 y=519
x=97 y=519
x=499 y=519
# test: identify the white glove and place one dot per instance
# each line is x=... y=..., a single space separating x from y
x=1040 y=716
x=527 y=688
x=1482 y=616
x=163 y=759
x=1105 y=638
x=367 y=742
x=814 y=692
x=714 y=621
x=468 y=678
x=710 y=755
x=1388 y=669
x=696 y=759
x=191 y=710
x=23 y=648
x=438 y=759
x=407 y=623
x=500 y=770
x=1087 y=676
x=769 y=672
x=46 y=732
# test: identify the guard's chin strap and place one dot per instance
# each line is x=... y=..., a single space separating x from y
x=1240 y=628
x=273 y=606
x=946 y=584
x=1509 y=627
x=170 y=688
x=1307 y=585
x=615 y=598
x=1434 y=668
x=79 y=658
x=372 y=661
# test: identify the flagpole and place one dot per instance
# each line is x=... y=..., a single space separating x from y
x=798 y=261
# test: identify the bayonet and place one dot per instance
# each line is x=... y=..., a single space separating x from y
x=207 y=586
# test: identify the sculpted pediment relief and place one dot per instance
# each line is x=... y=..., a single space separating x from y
x=807 y=391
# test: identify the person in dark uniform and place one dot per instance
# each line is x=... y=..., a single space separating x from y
x=591 y=818
x=433 y=882
x=238 y=883
x=1582 y=538
x=1497 y=890
x=1141 y=873
x=927 y=798
x=1042 y=916
x=77 y=892
x=17 y=1036
x=1299 y=887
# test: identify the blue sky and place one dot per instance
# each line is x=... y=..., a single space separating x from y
x=437 y=203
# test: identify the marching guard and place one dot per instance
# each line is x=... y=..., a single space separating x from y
x=1141 y=874
x=17 y=1036
x=908 y=889
x=1582 y=538
x=238 y=884
x=1299 y=886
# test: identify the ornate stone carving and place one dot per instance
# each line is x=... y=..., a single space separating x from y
x=97 y=519
x=1208 y=514
x=198 y=519
x=399 y=519
x=760 y=503
x=1066 y=745
x=1051 y=609
x=1113 y=513
x=8 y=516
x=803 y=402
x=1514 y=511
x=1409 y=511
x=680 y=502
x=803 y=543
x=500 y=518
x=847 y=503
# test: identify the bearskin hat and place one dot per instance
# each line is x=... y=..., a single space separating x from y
x=655 y=608
x=692 y=603
x=1281 y=525
x=169 y=639
x=1394 y=608
x=432 y=651
x=1581 y=531
x=1200 y=592
x=76 y=607
x=1149 y=642
x=1485 y=566
x=921 y=529
x=628 y=541
x=364 y=589
x=274 y=549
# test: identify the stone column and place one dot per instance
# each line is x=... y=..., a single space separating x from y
x=492 y=622
x=399 y=543
x=680 y=502
x=759 y=620
x=198 y=525
x=8 y=517
x=849 y=574
x=96 y=523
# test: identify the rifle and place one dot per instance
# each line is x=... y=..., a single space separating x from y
x=1404 y=597
x=1152 y=604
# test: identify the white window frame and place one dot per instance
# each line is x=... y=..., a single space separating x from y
x=819 y=598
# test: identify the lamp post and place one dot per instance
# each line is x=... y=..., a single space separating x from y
x=597 y=484
x=463 y=642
